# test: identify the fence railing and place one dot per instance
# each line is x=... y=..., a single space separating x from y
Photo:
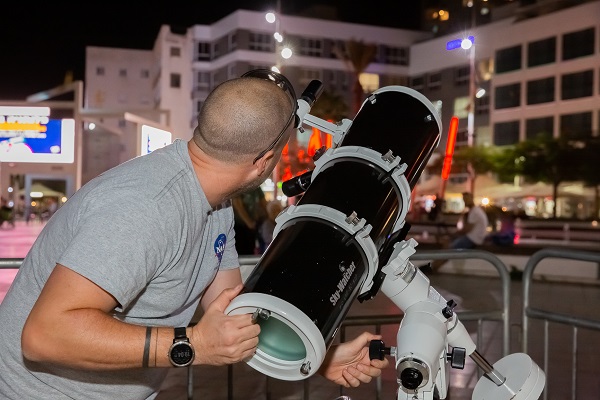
x=501 y=314
x=553 y=317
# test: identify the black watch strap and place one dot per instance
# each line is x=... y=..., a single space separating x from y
x=180 y=334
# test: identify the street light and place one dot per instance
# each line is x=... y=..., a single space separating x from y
x=468 y=44
x=281 y=50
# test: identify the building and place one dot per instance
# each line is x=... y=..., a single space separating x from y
x=537 y=61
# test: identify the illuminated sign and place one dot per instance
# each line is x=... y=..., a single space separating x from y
x=27 y=134
x=153 y=139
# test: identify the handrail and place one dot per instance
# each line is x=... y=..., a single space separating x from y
x=10 y=263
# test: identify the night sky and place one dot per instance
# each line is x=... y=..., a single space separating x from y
x=40 y=42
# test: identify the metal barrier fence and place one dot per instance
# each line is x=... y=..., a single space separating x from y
x=548 y=317
x=501 y=314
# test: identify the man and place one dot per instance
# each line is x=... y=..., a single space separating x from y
x=115 y=276
x=472 y=229
x=472 y=226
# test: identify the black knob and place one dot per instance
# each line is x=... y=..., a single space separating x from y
x=448 y=311
x=377 y=350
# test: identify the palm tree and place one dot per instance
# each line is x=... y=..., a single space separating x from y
x=357 y=55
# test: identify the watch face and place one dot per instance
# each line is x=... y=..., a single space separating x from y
x=181 y=354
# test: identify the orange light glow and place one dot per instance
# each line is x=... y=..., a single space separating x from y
x=452 y=130
x=314 y=143
x=287 y=174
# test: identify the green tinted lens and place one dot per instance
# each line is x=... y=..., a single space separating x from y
x=278 y=340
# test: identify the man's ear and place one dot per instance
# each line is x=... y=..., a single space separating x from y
x=262 y=163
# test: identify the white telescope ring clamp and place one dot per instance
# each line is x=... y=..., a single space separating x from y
x=350 y=223
x=385 y=162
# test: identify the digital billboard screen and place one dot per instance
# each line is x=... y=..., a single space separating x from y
x=27 y=134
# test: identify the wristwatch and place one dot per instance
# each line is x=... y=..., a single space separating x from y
x=181 y=352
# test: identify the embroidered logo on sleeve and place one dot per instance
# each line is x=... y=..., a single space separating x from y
x=220 y=246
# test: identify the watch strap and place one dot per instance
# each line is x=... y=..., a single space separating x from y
x=180 y=334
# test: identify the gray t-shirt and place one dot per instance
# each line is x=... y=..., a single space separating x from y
x=145 y=233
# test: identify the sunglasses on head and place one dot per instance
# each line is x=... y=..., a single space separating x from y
x=288 y=89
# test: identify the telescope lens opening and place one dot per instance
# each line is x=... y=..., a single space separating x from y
x=278 y=340
x=411 y=378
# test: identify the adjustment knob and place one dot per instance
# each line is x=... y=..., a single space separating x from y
x=377 y=350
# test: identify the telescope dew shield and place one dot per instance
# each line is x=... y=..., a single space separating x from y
x=325 y=249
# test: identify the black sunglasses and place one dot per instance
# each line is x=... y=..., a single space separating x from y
x=287 y=87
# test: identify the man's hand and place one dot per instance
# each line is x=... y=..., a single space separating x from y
x=348 y=364
x=221 y=339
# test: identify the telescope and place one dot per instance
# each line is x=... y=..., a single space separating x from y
x=345 y=239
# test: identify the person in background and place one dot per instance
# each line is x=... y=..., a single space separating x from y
x=250 y=210
x=102 y=303
x=6 y=214
x=471 y=229
x=505 y=235
x=274 y=207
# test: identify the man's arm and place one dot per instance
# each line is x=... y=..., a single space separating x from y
x=72 y=313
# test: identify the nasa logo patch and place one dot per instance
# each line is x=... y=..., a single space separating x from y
x=220 y=246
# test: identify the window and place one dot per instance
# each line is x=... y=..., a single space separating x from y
x=232 y=41
x=417 y=83
x=580 y=84
x=203 y=51
x=175 y=51
x=506 y=133
x=540 y=91
x=393 y=55
x=337 y=49
x=508 y=96
x=576 y=125
x=175 y=80
x=307 y=75
x=541 y=52
x=203 y=80
x=100 y=71
x=123 y=73
x=536 y=127
x=145 y=74
x=311 y=47
x=260 y=42
x=231 y=72
x=462 y=76
x=578 y=44
x=508 y=59
x=434 y=81
x=482 y=105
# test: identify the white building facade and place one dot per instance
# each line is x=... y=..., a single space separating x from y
x=540 y=71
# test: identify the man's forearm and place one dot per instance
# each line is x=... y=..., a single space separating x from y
x=92 y=340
